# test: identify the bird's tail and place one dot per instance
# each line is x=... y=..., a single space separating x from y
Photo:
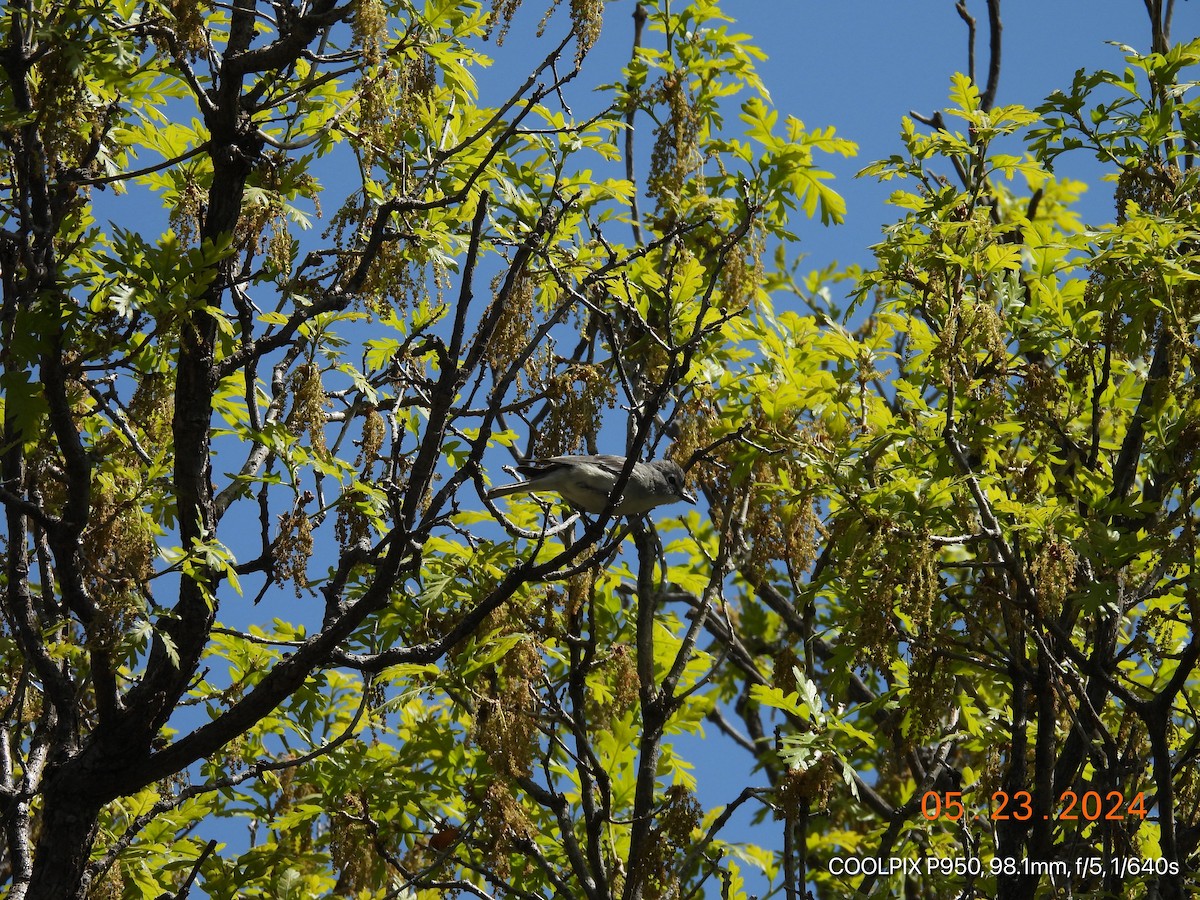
x=518 y=487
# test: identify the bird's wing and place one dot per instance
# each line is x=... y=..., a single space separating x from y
x=541 y=465
x=608 y=462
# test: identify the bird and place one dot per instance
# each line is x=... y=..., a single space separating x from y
x=586 y=483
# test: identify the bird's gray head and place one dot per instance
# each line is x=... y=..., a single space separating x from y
x=668 y=482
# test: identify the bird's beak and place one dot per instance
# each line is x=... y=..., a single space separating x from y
x=688 y=496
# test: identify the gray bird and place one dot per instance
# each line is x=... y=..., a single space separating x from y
x=586 y=483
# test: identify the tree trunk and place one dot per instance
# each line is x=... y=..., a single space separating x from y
x=68 y=829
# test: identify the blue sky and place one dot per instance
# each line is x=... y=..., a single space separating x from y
x=862 y=65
